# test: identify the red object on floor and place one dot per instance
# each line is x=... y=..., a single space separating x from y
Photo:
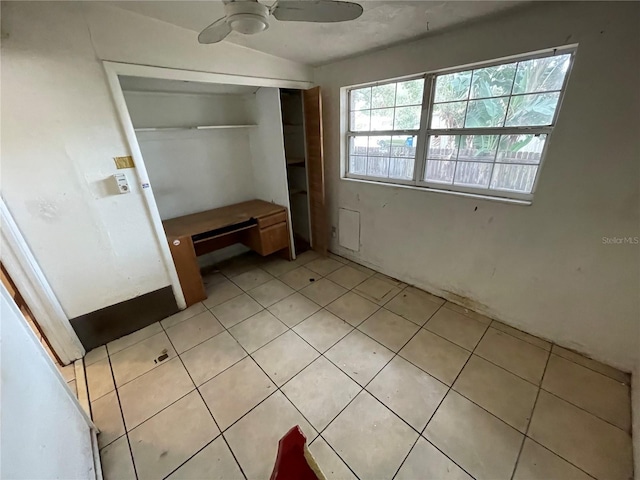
x=291 y=463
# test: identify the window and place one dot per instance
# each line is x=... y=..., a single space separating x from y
x=482 y=130
x=384 y=121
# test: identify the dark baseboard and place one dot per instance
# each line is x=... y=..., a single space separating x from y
x=109 y=323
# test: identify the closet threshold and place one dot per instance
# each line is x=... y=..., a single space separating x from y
x=197 y=127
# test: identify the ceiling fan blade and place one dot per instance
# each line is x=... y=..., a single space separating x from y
x=316 y=11
x=215 y=32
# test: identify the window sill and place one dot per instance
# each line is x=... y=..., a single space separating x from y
x=511 y=201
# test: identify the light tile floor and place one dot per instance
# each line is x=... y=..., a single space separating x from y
x=386 y=381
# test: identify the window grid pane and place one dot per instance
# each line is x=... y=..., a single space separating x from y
x=389 y=107
x=493 y=162
x=517 y=101
x=541 y=74
x=410 y=93
x=360 y=99
x=517 y=94
x=393 y=106
x=496 y=81
x=473 y=174
x=383 y=156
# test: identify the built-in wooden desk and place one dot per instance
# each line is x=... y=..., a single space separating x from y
x=260 y=225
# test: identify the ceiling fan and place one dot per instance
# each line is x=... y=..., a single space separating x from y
x=250 y=16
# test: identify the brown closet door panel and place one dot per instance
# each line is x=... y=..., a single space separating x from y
x=315 y=168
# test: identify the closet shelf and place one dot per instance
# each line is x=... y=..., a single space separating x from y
x=295 y=160
x=297 y=191
x=197 y=127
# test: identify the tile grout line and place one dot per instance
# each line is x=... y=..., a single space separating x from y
x=277 y=277
x=86 y=386
x=537 y=385
x=353 y=290
x=363 y=388
x=249 y=355
x=559 y=456
x=253 y=359
x=271 y=277
x=334 y=451
x=588 y=368
x=321 y=354
x=126 y=432
x=481 y=407
x=208 y=410
x=515 y=336
x=278 y=388
x=550 y=342
x=207 y=381
x=489 y=325
x=533 y=409
x=380 y=306
x=584 y=410
x=299 y=291
x=395 y=354
x=449 y=388
x=133 y=345
x=302 y=288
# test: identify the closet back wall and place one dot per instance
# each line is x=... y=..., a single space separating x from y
x=194 y=170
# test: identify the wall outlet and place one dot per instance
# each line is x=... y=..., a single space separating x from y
x=122 y=183
x=333 y=232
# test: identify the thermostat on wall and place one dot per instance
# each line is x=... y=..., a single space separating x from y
x=122 y=183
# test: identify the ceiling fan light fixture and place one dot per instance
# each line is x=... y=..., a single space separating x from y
x=250 y=16
x=247 y=17
x=247 y=23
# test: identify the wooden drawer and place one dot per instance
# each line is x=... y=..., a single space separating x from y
x=267 y=240
x=272 y=219
x=274 y=238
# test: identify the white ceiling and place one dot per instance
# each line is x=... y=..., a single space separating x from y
x=384 y=22
x=143 y=84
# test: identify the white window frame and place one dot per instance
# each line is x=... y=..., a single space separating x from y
x=413 y=133
x=425 y=131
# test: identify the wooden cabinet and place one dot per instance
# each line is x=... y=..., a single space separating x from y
x=261 y=226
x=272 y=219
x=270 y=239
x=271 y=235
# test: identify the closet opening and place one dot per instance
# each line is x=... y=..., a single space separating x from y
x=224 y=169
x=296 y=156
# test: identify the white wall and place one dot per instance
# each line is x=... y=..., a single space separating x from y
x=157 y=109
x=541 y=268
x=194 y=170
x=44 y=434
x=60 y=132
x=267 y=148
x=145 y=41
